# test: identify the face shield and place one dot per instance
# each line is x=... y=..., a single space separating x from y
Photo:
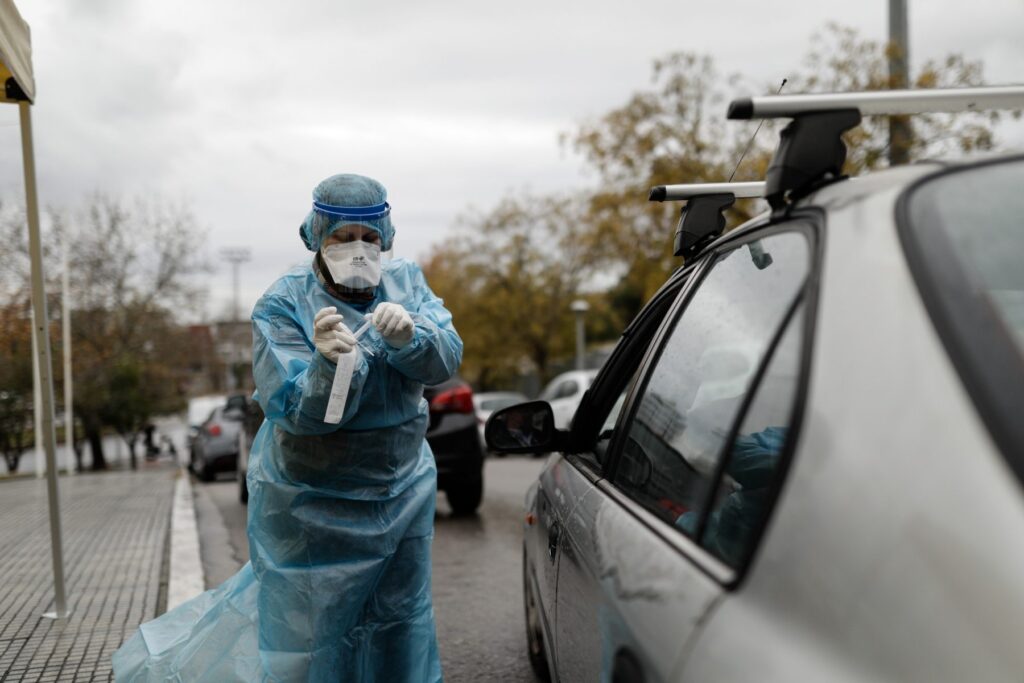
x=328 y=219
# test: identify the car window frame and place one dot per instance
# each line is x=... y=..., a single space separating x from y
x=811 y=222
x=991 y=373
x=621 y=369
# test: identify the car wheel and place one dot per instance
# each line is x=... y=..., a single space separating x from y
x=243 y=489
x=534 y=633
x=465 y=499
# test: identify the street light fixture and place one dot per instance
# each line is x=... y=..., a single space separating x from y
x=580 y=307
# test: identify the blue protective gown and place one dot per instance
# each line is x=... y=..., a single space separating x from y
x=340 y=516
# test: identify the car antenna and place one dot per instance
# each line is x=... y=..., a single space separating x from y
x=756 y=131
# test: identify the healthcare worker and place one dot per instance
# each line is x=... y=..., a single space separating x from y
x=340 y=511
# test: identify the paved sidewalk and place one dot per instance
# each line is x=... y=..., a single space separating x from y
x=115 y=536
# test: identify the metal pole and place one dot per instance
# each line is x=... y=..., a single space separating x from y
x=900 y=131
x=69 y=413
x=37 y=405
x=43 y=359
x=580 y=307
x=236 y=257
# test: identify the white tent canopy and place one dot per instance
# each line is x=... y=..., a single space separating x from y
x=15 y=51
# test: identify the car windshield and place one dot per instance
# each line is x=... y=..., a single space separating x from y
x=199 y=409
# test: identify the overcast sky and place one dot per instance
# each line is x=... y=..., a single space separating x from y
x=240 y=108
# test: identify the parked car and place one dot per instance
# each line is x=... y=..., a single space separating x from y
x=565 y=392
x=214 y=448
x=251 y=424
x=455 y=441
x=199 y=409
x=849 y=510
x=489 y=401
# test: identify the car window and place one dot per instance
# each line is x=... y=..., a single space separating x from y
x=601 y=412
x=499 y=403
x=685 y=413
x=962 y=233
x=567 y=388
x=744 y=492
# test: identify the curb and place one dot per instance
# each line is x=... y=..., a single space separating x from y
x=186 y=569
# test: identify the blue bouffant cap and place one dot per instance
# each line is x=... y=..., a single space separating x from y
x=345 y=199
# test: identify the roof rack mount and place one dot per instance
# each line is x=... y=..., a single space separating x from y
x=702 y=219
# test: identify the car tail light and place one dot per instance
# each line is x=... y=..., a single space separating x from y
x=214 y=429
x=457 y=400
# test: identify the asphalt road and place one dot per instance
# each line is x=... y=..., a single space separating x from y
x=477 y=580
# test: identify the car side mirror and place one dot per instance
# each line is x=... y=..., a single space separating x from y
x=524 y=428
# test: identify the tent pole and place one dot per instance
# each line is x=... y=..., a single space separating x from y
x=69 y=414
x=41 y=328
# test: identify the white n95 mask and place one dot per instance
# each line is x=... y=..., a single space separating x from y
x=355 y=265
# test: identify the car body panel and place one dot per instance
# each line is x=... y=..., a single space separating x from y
x=622 y=590
x=550 y=505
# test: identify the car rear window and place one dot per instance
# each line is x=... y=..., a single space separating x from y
x=499 y=403
x=963 y=231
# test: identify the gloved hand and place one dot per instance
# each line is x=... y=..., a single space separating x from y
x=330 y=335
x=394 y=324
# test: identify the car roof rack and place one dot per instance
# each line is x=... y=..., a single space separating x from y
x=811 y=150
x=702 y=219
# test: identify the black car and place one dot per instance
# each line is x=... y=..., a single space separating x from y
x=453 y=437
x=455 y=440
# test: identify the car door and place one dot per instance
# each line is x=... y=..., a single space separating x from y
x=641 y=565
x=562 y=484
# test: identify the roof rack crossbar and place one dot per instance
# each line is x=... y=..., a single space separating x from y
x=663 y=193
x=882 y=102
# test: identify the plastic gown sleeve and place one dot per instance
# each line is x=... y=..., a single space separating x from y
x=293 y=380
x=435 y=352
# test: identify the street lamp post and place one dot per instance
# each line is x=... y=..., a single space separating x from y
x=236 y=256
x=900 y=131
x=580 y=307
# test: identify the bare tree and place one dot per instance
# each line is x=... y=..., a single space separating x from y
x=133 y=266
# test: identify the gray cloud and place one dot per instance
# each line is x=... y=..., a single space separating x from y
x=240 y=108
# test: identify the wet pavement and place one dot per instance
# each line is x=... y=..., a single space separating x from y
x=477 y=583
x=115 y=528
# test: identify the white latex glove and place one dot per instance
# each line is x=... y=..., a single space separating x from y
x=394 y=324
x=330 y=335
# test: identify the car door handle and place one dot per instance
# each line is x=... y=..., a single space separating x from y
x=553 y=534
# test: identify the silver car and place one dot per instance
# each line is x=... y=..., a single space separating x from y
x=804 y=459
